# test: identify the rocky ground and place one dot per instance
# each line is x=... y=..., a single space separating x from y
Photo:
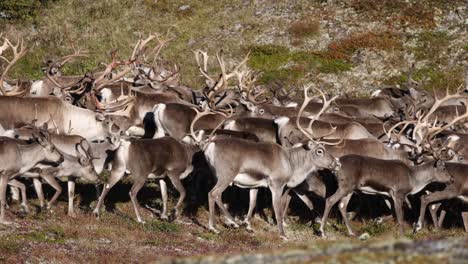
x=53 y=237
x=355 y=45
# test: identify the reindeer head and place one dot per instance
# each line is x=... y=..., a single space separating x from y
x=84 y=159
x=51 y=153
x=315 y=146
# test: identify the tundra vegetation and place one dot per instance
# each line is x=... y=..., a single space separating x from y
x=322 y=131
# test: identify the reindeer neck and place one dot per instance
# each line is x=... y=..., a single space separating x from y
x=30 y=155
x=421 y=176
x=300 y=164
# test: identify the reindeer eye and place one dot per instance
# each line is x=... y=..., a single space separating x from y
x=319 y=152
x=261 y=111
x=460 y=158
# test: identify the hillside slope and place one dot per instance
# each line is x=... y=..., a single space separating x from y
x=354 y=45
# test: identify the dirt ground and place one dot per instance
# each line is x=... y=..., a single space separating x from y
x=53 y=237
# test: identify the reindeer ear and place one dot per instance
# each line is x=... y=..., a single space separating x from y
x=310 y=145
x=100 y=117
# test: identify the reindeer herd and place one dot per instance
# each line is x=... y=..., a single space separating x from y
x=135 y=117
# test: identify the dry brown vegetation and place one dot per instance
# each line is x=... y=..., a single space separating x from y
x=346 y=47
x=304 y=27
x=117 y=238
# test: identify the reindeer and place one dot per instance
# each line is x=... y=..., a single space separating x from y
x=264 y=129
x=62 y=116
x=373 y=176
x=18 y=159
x=457 y=187
x=79 y=162
x=79 y=165
x=252 y=165
x=174 y=120
x=151 y=158
x=21 y=88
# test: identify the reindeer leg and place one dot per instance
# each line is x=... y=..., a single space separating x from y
x=40 y=193
x=163 y=186
x=15 y=193
x=305 y=199
x=329 y=203
x=276 y=195
x=285 y=205
x=253 y=193
x=137 y=185
x=71 y=197
x=448 y=193
x=398 y=200
x=3 y=188
x=115 y=177
x=214 y=196
x=24 y=199
x=433 y=210
x=175 y=180
x=50 y=179
x=443 y=213
x=465 y=220
x=343 y=205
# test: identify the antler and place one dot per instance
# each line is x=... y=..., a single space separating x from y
x=16 y=56
x=76 y=53
x=100 y=82
x=424 y=119
x=246 y=80
x=218 y=86
x=161 y=44
x=206 y=111
x=140 y=46
x=308 y=132
x=114 y=106
x=62 y=61
x=204 y=70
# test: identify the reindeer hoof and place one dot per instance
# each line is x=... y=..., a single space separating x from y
x=164 y=217
x=417 y=228
x=322 y=234
x=72 y=214
x=95 y=213
x=214 y=230
x=25 y=209
x=284 y=237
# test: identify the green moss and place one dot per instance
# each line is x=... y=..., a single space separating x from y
x=280 y=63
x=432 y=78
x=373 y=228
x=430 y=44
x=210 y=236
x=334 y=66
x=440 y=79
x=50 y=235
x=9 y=245
x=162 y=226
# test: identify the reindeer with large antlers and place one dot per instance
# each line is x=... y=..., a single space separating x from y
x=18 y=89
x=217 y=93
x=253 y=165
